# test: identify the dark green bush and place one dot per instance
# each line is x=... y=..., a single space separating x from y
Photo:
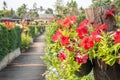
x=14 y=38
x=4 y=42
x=40 y=29
x=10 y=39
x=32 y=31
x=35 y=30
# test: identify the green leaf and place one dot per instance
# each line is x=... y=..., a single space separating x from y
x=111 y=61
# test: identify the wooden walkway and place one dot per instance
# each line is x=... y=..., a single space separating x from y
x=27 y=66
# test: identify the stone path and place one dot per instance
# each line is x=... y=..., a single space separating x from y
x=27 y=66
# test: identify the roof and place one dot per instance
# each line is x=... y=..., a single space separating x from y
x=9 y=19
x=46 y=16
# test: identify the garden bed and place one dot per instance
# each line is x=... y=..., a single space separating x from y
x=9 y=57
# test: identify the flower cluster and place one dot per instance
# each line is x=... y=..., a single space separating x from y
x=72 y=46
x=9 y=25
x=87 y=41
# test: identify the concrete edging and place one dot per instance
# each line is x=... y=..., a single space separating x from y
x=8 y=58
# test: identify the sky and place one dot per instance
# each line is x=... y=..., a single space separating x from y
x=45 y=3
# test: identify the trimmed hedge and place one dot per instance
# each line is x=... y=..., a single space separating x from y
x=9 y=40
x=35 y=30
x=32 y=30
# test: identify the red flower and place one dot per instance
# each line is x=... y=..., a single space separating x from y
x=70 y=48
x=87 y=43
x=101 y=28
x=81 y=32
x=73 y=19
x=62 y=56
x=96 y=26
x=64 y=40
x=95 y=36
x=59 y=22
x=56 y=36
x=117 y=37
x=69 y=20
x=80 y=59
x=110 y=12
x=8 y=25
x=82 y=24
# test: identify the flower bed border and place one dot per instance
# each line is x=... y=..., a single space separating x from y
x=8 y=58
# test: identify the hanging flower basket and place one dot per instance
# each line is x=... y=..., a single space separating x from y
x=84 y=69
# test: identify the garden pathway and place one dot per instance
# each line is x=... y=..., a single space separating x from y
x=28 y=66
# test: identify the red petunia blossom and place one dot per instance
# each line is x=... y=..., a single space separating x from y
x=59 y=22
x=87 y=43
x=96 y=26
x=81 y=59
x=69 y=21
x=81 y=32
x=117 y=37
x=83 y=23
x=70 y=48
x=56 y=36
x=8 y=25
x=101 y=28
x=64 y=40
x=62 y=56
x=73 y=19
x=110 y=12
x=95 y=36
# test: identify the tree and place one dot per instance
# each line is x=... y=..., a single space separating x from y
x=5 y=13
x=49 y=11
x=116 y=3
x=34 y=5
x=21 y=11
x=4 y=5
x=97 y=3
x=73 y=7
x=41 y=8
x=12 y=13
x=81 y=15
x=34 y=13
x=58 y=7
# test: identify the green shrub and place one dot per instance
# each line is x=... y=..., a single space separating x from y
x=14 y=38
x=9 y=40
x=117 y=21
x=35 y=30
x=39 y=28
x=80 y=17
x=25 y=42
x=32 y=31
x=50 y=30
x=3 y=41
